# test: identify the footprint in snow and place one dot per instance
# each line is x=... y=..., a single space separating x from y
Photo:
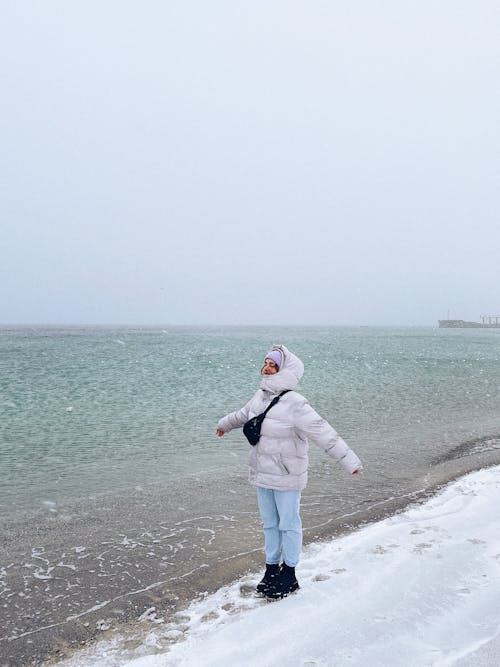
x=379 y=549
x=210 y=616
x=246 y=590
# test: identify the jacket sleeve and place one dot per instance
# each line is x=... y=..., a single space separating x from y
x=310 y=424
x=235 y=419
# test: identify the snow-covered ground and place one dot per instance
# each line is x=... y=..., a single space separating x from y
x=419 y=588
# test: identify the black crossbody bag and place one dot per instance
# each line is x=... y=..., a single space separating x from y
x=252 y=427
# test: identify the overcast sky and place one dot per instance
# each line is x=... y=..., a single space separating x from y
x=258 y=162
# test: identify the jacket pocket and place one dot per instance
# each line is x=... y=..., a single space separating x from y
x=283 y=466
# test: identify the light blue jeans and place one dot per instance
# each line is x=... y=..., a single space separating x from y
x=279 y=511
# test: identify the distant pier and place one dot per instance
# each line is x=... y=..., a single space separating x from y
x=487 y=322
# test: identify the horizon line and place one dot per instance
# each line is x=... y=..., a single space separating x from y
x=88 y=325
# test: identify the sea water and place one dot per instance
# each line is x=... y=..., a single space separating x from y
x=87 y=411
x=113 y=483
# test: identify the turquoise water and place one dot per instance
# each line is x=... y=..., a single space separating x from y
x=90 y=411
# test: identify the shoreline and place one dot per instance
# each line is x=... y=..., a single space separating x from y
x=119 y=614
x=419 y=586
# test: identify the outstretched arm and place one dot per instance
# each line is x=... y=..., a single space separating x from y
x=311 y=425
x=233 y=420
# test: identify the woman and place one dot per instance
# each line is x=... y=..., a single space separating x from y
x=279 y=462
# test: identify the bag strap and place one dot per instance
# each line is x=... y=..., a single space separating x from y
x=274 y=401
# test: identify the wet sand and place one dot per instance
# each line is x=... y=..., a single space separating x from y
x=68 y=579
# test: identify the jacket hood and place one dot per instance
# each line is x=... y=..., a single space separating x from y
x=289 y=375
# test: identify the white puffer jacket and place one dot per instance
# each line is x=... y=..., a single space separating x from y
x=280 y=460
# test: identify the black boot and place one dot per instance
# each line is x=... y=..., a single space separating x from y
x=282 y=585
x=270 y=575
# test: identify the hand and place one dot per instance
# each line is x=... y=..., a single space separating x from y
x=219 y=432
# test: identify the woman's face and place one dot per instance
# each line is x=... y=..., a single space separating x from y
x=269 y=368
